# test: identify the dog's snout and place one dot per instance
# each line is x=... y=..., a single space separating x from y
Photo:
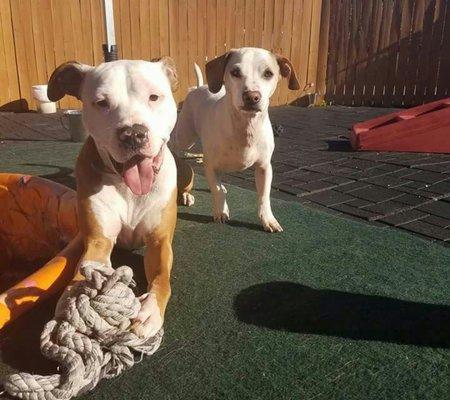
x=251 y=97
x=134 y=136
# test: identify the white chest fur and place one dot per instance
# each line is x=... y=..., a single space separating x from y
x=127 y=218
x=236 y=148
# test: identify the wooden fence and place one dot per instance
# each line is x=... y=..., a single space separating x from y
x=355 y=52
x=37 y=35
x=387 y=52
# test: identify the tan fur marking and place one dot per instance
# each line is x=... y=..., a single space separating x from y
x=185 y=176
x=159 y=256
x=96 y=246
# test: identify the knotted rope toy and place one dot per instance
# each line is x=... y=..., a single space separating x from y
x=89 y=336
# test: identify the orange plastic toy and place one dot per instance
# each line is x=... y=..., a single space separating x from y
x=37 y=223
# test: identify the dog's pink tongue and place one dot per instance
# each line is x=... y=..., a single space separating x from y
x=138 y=175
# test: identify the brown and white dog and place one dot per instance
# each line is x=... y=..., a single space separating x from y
x=230 y=116
x=126 y=175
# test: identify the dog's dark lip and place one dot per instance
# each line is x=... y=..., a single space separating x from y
x=250 y=109
x=118 y=166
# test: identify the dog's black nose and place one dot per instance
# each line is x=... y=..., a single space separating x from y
x=134 y=136
x=251 y=98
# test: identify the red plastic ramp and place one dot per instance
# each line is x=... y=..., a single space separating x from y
x=424 y=129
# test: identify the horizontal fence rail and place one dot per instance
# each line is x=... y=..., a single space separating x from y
x=38 y=35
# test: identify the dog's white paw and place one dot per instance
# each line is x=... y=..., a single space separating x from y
x=148 y=321
x=270 y=224
x=222 y=216
x=187 y=199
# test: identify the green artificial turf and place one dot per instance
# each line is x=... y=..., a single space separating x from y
x=328 y=309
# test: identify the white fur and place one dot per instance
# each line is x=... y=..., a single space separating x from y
x=126 y=218
x=233 y=139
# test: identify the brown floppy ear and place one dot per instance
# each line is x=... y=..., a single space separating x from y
x=66 y=79
x=215 y=70
x=287 y=71
x=170 y=69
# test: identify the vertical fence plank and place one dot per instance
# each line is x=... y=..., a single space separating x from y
x=201 y=34
x=183 y=46
x=443 y=75
x=211 y=26
x=258 y=26
x=373 y=52
x=164 y=44
x=135 y=34
x=384 y=47
x=322 y=58
x=415 y=44
x=341 y=61
x=277 y=43
x=192 y=41
x=314 y=44
x=230 y=21
x=173 y=40
x=424 y=55
x=296 y=43
x=117 y=27
x=304 y=43
x=155 y=50
x=8 y=67
x=435 y=46
x=221 y=45
x=286 y=45
x=239 y=28
x=144 y=28
x=249 y=22
x=402 y=64
x=331 y=65
x=268 y=24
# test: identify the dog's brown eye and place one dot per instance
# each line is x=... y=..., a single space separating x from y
x=268 y=74
x=102 y=103
x=236 y=72
x=153 y=97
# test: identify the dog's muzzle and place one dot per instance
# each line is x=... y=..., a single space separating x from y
x=133 y=137
x=251 y=100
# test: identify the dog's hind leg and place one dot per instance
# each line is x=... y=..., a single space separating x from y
x=185 y=182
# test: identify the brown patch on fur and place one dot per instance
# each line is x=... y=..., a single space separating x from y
x=215 y=70
x=287 y=71
x=185 y=176
x=159 y=256
x=97 y=247
x=66 y=79
x=171 y=71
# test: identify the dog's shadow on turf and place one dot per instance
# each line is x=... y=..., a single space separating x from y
x=297 y=308
x=19 y=341
x=207 y=219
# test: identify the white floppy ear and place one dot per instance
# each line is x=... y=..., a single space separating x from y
x=67 y=79
x=170 y=70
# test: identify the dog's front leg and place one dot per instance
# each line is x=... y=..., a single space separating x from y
x=221 y=213
x=97 y=249
x=158 y=265
x=263 y=179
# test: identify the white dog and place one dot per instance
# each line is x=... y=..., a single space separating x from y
x=126 y=175
x=230 y=116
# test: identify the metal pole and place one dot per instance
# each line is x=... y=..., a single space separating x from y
x=110 y=48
